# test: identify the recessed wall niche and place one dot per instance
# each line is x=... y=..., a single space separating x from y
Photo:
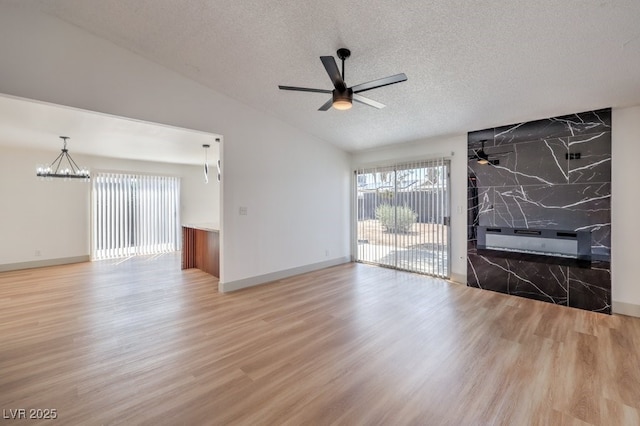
x=539 y=210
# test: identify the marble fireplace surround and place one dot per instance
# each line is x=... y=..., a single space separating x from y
x=548 y=175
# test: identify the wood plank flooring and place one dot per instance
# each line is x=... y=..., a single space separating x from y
x=142 y=342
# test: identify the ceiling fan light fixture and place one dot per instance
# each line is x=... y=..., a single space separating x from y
x=342 y=105
x=343 y=100
x=343 y=96
x=481 y=156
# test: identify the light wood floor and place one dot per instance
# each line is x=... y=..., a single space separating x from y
x=142 y=342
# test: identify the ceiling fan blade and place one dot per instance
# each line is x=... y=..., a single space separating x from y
x=304 y=89
x=368 y=101
x=398 y=78
x=330 y=65
x=326 y=106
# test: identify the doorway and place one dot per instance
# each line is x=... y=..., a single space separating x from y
x=403 y=216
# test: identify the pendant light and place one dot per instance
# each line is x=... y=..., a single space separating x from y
x=218 y=163
x=206 y=163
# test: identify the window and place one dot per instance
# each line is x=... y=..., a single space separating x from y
x=134 y=214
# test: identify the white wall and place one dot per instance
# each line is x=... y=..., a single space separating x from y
x=296 y=187
x=625 y=209
x=453 y=148
x=297 y=196
x=200 y=201
x=53 y=216
x=38 y=216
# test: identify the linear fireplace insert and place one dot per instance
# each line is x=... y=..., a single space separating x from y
x=545 y=242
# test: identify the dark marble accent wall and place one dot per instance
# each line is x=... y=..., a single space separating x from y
x=546 y=174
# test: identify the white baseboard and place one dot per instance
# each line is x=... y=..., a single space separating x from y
x=458 y=279
x=273 y=276
x=42 y=263
x=626 y=309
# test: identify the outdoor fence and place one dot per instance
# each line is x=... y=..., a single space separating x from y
x=421 y=202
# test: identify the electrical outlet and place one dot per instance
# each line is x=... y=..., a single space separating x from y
x=326 y=253
x=37 y=253
x=242 y=211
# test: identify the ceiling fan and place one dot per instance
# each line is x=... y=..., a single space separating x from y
x=482 y=157
x=343 y=96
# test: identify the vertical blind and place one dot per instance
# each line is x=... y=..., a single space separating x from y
x=134 y=214
x=402 y=216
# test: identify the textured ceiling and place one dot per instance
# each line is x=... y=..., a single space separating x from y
x=470 y=65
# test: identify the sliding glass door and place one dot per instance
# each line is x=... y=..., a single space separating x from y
x=402 y=216
x=134 y=214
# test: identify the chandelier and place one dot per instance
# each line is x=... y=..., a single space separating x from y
x=63 y=166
